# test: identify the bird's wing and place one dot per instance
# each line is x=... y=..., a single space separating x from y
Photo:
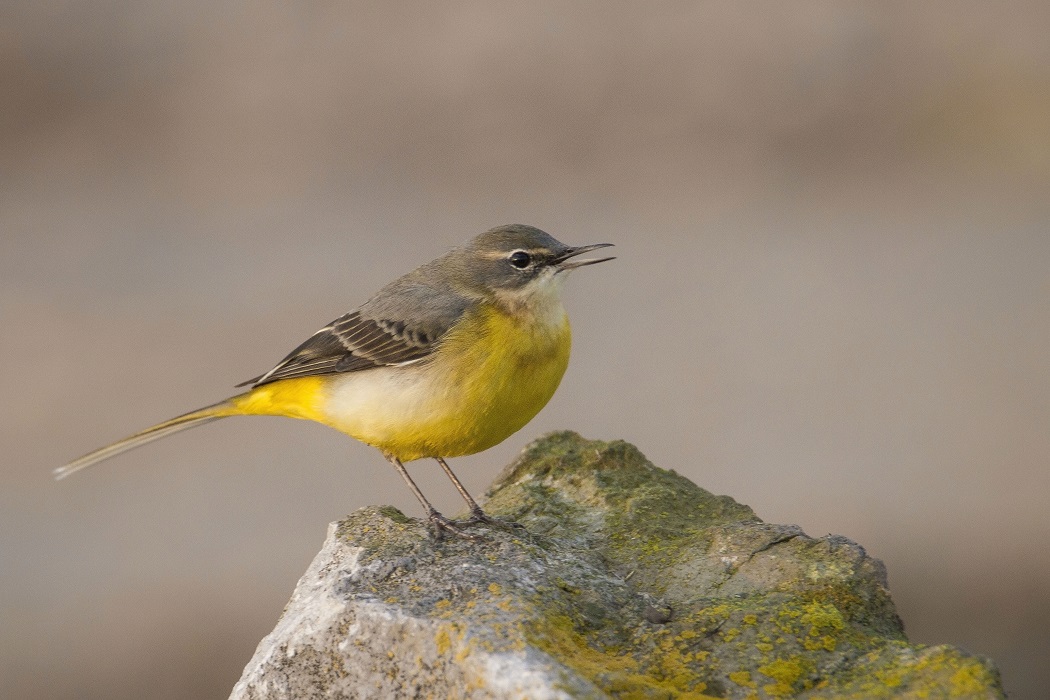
x=397 y=328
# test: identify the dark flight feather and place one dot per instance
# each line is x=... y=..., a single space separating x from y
x=378 y=334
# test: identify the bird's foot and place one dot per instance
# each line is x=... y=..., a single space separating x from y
x=477 y=515
x=440 y=525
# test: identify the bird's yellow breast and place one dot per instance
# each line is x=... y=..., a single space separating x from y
x=492 y=373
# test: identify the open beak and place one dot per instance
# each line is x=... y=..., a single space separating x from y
x=563 y=262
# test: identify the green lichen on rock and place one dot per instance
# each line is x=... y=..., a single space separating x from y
x=632 y=582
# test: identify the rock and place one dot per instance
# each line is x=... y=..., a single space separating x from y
x=630 y=582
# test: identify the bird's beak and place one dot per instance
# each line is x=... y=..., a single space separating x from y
x=562 y=261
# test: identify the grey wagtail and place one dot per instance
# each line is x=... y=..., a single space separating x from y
x=448 y=360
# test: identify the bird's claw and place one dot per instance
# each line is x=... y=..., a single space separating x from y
x=440 y=525
x=477 y=515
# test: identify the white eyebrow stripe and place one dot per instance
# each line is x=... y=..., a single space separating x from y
x=502 y=256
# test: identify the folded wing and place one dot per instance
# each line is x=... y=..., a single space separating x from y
x=376 y=335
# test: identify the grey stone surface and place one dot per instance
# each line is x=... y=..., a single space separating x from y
x=630 y=582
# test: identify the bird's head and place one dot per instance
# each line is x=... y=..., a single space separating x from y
x=515 y=263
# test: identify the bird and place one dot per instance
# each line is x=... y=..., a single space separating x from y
x=447 y=360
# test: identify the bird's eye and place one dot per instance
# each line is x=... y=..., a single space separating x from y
x=520 y=259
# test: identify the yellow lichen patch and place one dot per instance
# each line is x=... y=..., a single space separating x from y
x=621 y=675
x=822 y=617
x=743 y=678
x=495 y=589
x=931 y=672
x=786 y=673
x=673 y=662
x=444 y=643
x=461 y=654
x=969 y=681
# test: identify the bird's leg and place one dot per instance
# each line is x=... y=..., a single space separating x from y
x=475 y=509
x=477 y=515
x=439 y=522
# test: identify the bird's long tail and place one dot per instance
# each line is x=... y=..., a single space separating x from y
x=186 y=421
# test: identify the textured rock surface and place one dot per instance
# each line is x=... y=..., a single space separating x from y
x=631 y=582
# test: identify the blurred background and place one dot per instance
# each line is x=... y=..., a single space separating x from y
x=832 y=297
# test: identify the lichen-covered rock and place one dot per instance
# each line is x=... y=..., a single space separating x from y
x=631 y=582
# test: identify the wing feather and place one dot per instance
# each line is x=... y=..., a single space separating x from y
x=369 y=337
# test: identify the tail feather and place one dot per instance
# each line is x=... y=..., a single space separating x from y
x=156 y=432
